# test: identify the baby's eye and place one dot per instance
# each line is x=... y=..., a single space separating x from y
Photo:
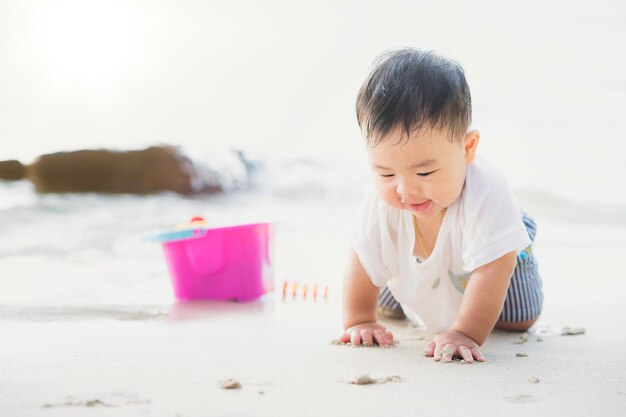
x=386 y=175
x=424 y=174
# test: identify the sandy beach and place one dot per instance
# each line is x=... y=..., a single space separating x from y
x=64 y=353
x=88 y=321
x=286 y=366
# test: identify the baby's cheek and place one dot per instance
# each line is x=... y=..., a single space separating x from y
x=394 y=201
x=389 y=196
x=448 y=193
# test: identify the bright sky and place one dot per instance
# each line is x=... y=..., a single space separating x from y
x=280 y=77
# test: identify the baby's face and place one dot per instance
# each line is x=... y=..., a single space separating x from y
x=424 y=174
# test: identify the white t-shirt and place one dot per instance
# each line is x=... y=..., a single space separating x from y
x=482 y=225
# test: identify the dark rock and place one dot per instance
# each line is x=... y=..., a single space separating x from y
x=12 y=170
x=147 y=171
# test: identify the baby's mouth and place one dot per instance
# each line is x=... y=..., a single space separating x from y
x=420 y=206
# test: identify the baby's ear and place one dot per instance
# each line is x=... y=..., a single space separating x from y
x=470 y=143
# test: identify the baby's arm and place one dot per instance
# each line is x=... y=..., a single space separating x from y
x=360 y=298
x=481 y=305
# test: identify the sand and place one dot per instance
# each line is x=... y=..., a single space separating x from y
x=73 y=344
x=173 y=367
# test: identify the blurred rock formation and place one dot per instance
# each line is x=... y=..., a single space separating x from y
x=12 y=170
x=152 y=170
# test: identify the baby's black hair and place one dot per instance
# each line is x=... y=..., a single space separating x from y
x=413 y=89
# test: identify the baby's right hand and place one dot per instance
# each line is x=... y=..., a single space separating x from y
x=367 y=334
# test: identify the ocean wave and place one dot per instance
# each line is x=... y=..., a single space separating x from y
x=275 y=179
x=570 y=210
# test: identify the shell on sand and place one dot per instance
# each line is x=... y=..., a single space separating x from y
x=572 y=331
x=230 y=383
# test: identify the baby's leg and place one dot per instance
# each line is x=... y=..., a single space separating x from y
x=524 y=297
x=388 y=307
x=520 y=326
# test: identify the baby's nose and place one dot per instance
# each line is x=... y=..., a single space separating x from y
x=406 y=190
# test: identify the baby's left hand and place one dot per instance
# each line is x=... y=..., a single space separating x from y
x=453 y=343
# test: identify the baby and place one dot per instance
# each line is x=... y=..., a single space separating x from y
x=440 y=232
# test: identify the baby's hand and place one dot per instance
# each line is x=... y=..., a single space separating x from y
x=453 y=343
x=367 y=334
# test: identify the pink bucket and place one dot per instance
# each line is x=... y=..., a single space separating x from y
x=227 y=263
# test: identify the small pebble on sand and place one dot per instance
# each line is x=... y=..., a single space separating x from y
x=363 y=380
x=230 y=384
x=95 y=403
x=523 y=338
x=572 y=331
x=394 y=378
x=533 y=380
x=89 y=403
x=336 y=342
x=366 y=380
x=521 y=355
